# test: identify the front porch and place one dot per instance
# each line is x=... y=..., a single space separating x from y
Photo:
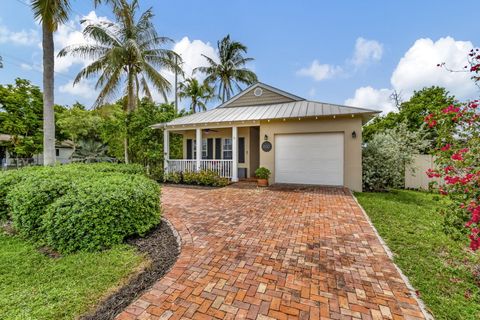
x=232 y=152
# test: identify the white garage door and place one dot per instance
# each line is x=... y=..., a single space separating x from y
x=315 y=158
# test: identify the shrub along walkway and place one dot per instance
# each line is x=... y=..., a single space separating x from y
x=278 y=253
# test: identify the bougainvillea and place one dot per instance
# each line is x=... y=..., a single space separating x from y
x=458 y=156
x=458 y=163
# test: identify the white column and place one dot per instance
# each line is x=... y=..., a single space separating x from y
x=166 y=149
x=234 y=154
x=199 y=147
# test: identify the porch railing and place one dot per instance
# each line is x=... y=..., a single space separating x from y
x=222 y=167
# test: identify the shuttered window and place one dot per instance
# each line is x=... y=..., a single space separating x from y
x=189 y=149
x=241 y=150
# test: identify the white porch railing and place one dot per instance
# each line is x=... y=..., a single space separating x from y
x=222 y=167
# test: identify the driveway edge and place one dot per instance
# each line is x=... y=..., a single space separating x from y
x=389 y=253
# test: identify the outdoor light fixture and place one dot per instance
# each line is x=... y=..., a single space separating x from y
x=265 y=138
x=354 y=135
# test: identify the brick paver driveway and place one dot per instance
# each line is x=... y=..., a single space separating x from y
x=277 y=253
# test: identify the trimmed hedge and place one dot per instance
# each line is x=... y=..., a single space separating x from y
x=80 y=206
x=201 y=178
x=97 y=214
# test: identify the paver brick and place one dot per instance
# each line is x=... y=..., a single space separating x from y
x=274 y=253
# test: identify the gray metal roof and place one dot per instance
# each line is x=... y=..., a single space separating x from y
x=296 y=109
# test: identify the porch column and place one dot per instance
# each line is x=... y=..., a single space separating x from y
x=199 y=147
x=166 y=149
x=234 y=154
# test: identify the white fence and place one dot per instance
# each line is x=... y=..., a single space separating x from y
x=415 y=173
x=222 y=167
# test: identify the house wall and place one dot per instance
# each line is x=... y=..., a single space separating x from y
x=222 y=133
x=267 y=97
x=352 y=147
x=64 y=157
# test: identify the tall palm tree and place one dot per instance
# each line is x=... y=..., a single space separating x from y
x=198 y=93
x=230 y=72
x=127 y=53
x=51 y=13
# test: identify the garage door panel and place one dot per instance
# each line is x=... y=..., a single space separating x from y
x=309 y=158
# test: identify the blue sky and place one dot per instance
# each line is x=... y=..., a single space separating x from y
x=353 y=52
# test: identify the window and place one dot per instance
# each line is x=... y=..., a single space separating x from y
x=227 y=148
x=57 y=152
x=204 y=149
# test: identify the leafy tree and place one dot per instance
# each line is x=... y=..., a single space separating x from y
x=412 y=112
x=198 y=93
x=21 y=117
x=146 y=144
x=78 y=124
x=51 y=13
x=130 y=51
x=230 y=72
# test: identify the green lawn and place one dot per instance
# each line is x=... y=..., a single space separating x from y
x=440 y=268
x=33 y=286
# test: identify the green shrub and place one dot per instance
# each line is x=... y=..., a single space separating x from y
x=29 y=198
x=8 y=180
x=202 y=178
x=173 y=177
x=80 y=206
x=106 y=167
x=385 y=155
x=262 y=173
x=210 y=178
x=97 y=214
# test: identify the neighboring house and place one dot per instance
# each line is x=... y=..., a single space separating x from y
x=63 y=151
x=300 y=141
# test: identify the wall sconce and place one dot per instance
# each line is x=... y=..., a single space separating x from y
x=265 y=138
x=354 y=135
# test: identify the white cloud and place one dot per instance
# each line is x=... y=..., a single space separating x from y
x=26 y=66
x=69 y=34
x=191 y=52
x=84 y=89
x=22 y=37
x=319 y=71
x=368 y=97
x=418 y=69
x=366 y=51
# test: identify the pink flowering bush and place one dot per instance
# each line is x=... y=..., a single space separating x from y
x=458 y=165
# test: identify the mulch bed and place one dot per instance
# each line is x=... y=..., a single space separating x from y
x=163 y=249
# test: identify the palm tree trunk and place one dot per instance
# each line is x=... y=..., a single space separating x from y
x=131 y=105
x=48 y=97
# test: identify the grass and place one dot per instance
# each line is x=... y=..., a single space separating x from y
x=439 y=267
x=34 y=286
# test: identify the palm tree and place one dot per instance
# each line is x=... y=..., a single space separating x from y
x=230 y=71
x=51 y=13
x=198 y=93
x=127 y=53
